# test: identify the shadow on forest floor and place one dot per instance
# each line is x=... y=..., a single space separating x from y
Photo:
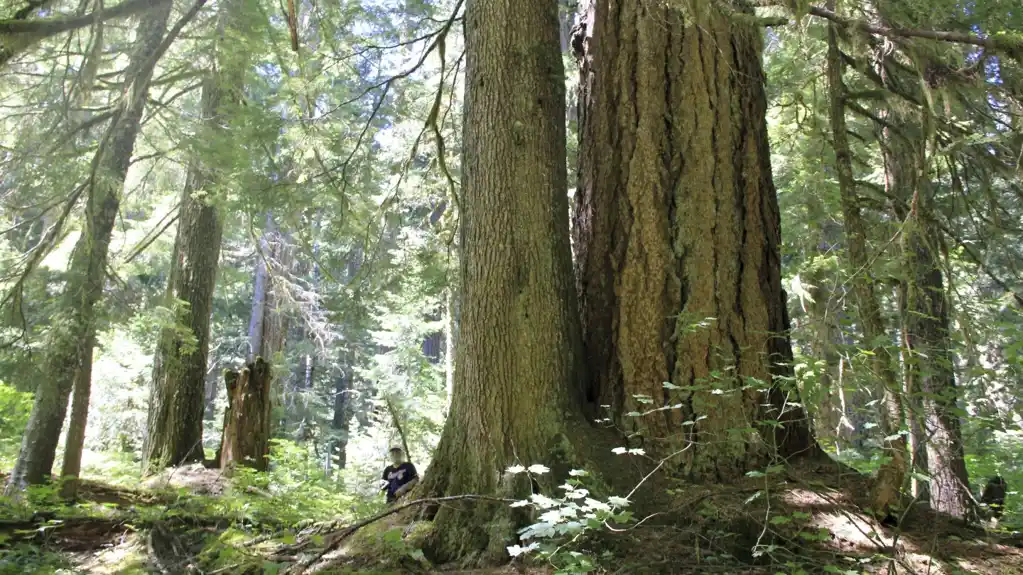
x=805 y=519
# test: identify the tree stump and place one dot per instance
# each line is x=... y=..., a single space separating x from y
x=246 y=438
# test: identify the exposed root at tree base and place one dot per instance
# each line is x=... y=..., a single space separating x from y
x=809 y=518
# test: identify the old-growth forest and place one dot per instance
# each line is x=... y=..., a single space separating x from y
x=636 y=286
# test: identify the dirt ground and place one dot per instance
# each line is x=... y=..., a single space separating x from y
x=807 y=519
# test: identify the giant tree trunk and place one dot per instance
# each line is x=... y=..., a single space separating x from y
x=73 y=329
x=247 y=425
x=518 y=343
x=177 y=396
x=890 y=477
x=677 y=234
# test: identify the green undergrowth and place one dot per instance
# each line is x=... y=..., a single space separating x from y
x=233 y=529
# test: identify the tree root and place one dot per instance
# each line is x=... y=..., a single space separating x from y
x=336 y=538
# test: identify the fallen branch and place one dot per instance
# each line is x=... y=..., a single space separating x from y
x=301 y=566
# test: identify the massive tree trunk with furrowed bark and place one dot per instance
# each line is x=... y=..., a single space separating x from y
x=517 y=359
x=676 y=235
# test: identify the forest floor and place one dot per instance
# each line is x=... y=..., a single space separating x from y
x=804 y=519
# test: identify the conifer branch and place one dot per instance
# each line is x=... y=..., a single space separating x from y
x=1009 y=45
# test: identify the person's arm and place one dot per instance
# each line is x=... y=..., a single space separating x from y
x=411 y=483
x=384 y=483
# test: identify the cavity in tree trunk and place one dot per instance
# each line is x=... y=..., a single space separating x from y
x=246 y=438
x=676 y=235
x=73 y=329
x=887 y=488
x=174 y=430
x=74 y=443
x=518 y=343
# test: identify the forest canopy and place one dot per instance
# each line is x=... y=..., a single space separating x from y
x=624 y=286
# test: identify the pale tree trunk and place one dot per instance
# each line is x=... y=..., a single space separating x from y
x=68 y=347
x=677 y=234
x=176 y=401
x=887 y=488
x=268 y=326
x=74 y=443
x=449 y=347
x=343 y=411
x=518 y=347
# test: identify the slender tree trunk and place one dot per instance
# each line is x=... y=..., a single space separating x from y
x=916 y=441
x=74 y=443
x=676 y=236
x=342 y=419
x=73 y=329
x=449 y=347
x=892 y=474
x=268 y=326
x=929 y=366
x=518 y=354
x=176 y=404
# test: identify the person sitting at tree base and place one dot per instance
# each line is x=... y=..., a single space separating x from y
x=400 y=476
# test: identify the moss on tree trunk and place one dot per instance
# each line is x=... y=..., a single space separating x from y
x=72 y=329
x=518 y=343
x=892 y=474
x=174 y=430
x=677 y=233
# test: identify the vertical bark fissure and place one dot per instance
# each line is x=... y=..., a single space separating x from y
x=687 y=288
x=517 y=357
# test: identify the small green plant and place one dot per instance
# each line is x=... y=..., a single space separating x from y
x=564 y=519
x=15 y=407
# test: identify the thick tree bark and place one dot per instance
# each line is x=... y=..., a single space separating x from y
x=677 y=233
x=73 y=328
x=892 y=474
x=74 y=443
x=247 y=425
x=174 y=429
x=518 y=347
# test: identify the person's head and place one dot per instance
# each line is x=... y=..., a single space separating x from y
x=397 y=455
